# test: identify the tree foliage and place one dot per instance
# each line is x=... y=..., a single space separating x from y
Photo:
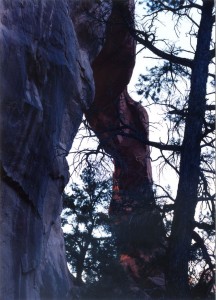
x=89 y=242
x=181 y=84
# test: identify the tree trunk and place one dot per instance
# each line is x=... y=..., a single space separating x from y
x=186 y=199
x=80 y=268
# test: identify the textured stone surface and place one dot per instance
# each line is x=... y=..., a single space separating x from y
x=55 y=58
x=46 y=84
x=121 y=125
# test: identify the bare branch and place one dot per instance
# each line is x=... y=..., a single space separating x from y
x=143 y=38
x=211 y=54
x=205 y=226
x=196 y=237
x=166 y=192
x=167 y=207
x=180 y=7
x=210 y=107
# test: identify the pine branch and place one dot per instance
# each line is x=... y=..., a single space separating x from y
x=143 y=38
x=196 y=237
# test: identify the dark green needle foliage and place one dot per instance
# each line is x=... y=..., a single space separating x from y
x=88 y=238
x=90 y=245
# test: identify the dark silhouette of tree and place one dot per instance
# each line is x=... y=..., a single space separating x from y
x=89 y=243
x=91 y=247
x=181 y=83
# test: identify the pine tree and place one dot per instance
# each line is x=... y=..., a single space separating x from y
x=89 y=242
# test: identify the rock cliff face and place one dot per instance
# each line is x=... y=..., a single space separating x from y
x=56 y=57
x=46 y=84
x=121 y=125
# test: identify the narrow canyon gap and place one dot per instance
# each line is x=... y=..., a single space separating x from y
x=54 y=67
x=122 y=127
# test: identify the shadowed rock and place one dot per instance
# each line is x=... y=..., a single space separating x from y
x=122 y=126
x=56 y=57
x=46 y=84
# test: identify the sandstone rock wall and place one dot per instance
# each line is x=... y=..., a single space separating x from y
x=46 y=84
x=121 y=125
x=56 y=57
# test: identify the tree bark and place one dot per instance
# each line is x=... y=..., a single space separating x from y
x=186 y=199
